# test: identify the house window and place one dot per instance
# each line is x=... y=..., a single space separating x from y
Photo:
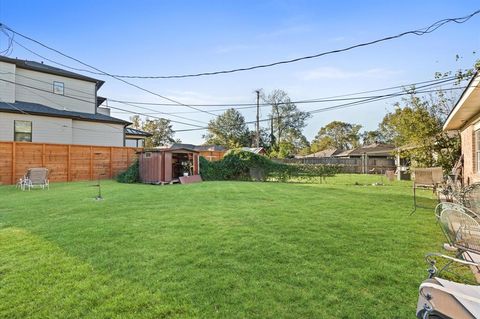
x=22 y=131
x=58 y=88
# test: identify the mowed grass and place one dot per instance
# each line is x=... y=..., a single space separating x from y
x=214 y=250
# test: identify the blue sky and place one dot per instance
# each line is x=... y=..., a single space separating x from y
x=172 y=37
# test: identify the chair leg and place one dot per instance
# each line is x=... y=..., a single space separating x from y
x=414 y=201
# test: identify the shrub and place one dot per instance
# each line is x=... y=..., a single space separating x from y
x=243 y=165
x=131 y=175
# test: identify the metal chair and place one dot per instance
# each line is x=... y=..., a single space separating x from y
x=430 y=177
x=36 y=177
x=470 y=196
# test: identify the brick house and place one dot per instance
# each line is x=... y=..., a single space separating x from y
x=465 y=117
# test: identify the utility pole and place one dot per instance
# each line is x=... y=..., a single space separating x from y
x=257 y=136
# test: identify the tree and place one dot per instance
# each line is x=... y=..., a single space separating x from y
x=136 y=122
x=370 y=137
x=287 y=120
x=337 y=134
x=293 y=144
x=228 y=129
x=416 y=125
x=161 y=130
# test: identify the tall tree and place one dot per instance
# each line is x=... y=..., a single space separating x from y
x=136 y=122
x=161 y=130
x=287 y=120
x=416 y=125
x=370 y=137
x=337 y=134
x=228 y=129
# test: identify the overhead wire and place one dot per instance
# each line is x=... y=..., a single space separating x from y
x=340 y=106
x=5 y=27
x=79 y=99
x=418 y=32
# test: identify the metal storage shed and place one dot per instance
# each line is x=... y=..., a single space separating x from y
x=166 y=165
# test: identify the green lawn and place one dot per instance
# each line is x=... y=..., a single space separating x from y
x=214 y=250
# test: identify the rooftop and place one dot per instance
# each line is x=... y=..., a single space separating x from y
x=43 y=110
x=41 y=67
x=467 y=106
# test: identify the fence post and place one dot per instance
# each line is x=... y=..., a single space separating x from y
x=111 y=165
x=43 y=155
x=91 y=163
x=69 y=177
x=13 y=162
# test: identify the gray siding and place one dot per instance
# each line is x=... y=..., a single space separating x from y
x=7 y=90
x=44 y=129
x=82 y=90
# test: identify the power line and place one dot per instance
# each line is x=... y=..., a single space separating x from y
x=89 y=93
x=3 y=26
x=419 y=32
x=324 y=100
x=78 y=99
x=366 y=100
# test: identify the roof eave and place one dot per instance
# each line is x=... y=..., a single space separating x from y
x=448 y=125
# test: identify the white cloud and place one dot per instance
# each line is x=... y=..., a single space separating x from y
x=337 y=73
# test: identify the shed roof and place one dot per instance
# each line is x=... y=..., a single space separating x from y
x=255 y=150
x=43 y=110
x=467 y=106
x=167 y=149
x=212 y=148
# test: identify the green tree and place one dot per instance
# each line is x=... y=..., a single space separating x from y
x=416 y=126
x=161 y=130
x=136 y=122
x=228 y=129
x=337 y=134
x=370 y=137
x=287 y=120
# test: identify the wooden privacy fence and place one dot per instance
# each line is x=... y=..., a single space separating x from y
x=349 y=165
x=65 y=162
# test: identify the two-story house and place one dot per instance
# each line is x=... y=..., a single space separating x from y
x=45 y=104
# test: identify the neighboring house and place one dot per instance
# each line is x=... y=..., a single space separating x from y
x=210 y=152
x=375 y=150
x=135 y=137
x=330 y=152
x=465 y=117
x=45 y=104
x=255 y=150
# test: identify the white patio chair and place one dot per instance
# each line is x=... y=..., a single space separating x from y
x=37 y=177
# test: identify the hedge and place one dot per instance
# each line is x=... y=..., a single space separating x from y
x=246 y=166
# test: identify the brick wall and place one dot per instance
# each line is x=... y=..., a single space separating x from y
x=470 y=174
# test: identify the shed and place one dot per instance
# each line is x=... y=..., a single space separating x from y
x=165 y=165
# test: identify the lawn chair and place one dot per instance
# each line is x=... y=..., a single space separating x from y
x=471 y=197
x=36 y=177
x=439 y=298
x=426 y=178
x=462 y=230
